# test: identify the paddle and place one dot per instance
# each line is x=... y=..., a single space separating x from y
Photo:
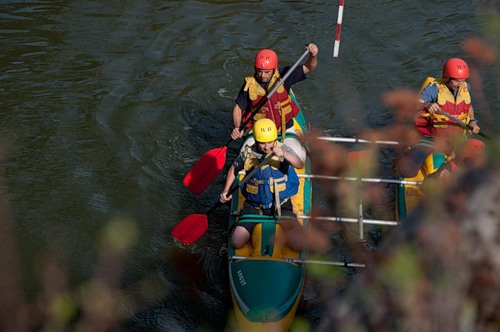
x=212 y=162
x=191 y=228
x=463 y=124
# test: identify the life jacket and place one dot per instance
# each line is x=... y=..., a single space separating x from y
x=280 y=107
x=260 y=189
x=458 y=106
x=421 y=161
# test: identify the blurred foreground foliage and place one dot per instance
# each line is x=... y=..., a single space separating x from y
x=439 y=269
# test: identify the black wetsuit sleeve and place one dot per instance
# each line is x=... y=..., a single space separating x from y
x=296 y=76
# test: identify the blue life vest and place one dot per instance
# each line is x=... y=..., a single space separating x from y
x=259 y=189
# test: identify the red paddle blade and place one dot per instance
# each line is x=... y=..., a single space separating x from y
x=205 y=170
x=191 y=228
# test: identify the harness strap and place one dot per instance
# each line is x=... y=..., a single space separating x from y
x=272 y=180
x=277 y=196
x=255 y=181
x=270 y=205
x=283 y=125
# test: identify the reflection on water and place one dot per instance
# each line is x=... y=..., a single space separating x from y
x=107 y=104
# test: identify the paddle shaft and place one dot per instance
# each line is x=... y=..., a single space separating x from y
x=245 y=179
x=273 y=90
x=463 y=124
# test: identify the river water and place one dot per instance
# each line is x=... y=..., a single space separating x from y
x=107 y=104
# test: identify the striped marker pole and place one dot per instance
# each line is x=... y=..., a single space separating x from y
x=336 y=44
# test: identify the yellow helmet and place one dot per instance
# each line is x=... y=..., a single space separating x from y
x=264 y=131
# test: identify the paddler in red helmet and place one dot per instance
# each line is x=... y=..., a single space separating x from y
x=280 y=107
x=450 y=94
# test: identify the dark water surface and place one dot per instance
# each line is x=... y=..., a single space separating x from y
x=107 y=104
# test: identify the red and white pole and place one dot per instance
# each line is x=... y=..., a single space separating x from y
x=336 y=44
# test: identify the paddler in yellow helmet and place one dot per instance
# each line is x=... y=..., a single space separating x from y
x=269 y=190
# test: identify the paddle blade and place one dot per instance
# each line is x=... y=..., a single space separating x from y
x=205 y=170
x=191 y=228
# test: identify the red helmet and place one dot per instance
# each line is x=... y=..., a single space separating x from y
x=455 y=68
x=266 y=59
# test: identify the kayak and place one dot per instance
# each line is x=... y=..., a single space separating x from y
x=266 y=281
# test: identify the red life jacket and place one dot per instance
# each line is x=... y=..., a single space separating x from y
x=458 y=106
x=279 y=108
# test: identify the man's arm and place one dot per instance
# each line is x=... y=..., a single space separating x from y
x=237 y=117
x=312 y=61
x=289 y=155
x=473 y=122
x=428 y=99
x=231 y=175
